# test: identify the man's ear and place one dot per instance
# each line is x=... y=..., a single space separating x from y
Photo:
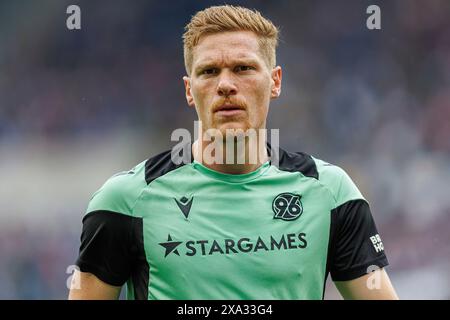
x=187 y=86
x=276 y=85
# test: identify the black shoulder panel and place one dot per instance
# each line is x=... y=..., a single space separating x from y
x=162 y=163
x=296 y=162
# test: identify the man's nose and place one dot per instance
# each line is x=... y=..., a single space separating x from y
x=226 y=86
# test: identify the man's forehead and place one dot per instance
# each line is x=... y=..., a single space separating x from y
x=231 y=45
x=219 y=56
x=234 y=38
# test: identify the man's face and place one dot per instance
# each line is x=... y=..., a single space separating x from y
x=231 y=84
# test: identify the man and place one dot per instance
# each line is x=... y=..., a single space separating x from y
x=205 y=229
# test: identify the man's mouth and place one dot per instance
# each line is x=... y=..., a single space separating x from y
x=227 y=110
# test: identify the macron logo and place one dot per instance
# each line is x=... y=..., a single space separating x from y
x=377 y=244
x=185 y=205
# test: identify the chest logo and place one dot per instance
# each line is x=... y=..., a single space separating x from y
x=287 y=206
x=170 y=246
x=185 y=205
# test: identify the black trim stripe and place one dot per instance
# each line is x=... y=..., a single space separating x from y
x=162 y=163
x=295 y=162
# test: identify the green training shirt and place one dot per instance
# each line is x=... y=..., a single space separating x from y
x=187 y=232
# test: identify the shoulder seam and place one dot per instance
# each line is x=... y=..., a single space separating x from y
x=342 y=174
x=136 y=201
x=148 y=185
x=323 y=184
x=140 y=193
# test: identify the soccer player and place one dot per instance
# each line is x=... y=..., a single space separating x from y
x=254 y=230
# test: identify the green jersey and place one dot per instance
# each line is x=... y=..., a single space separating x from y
x=187 y=232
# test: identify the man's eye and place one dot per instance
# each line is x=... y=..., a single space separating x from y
x=209 y=71
x=244 y=68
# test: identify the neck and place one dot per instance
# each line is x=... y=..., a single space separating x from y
x=235 y=156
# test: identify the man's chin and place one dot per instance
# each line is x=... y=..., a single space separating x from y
x=233 y=128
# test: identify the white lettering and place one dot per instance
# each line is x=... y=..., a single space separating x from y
x=374 y=20
x=73 y=21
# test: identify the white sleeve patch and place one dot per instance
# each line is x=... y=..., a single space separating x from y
x=377 y=243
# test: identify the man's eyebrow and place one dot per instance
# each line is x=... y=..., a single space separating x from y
x=205 y=65
x=212 y=64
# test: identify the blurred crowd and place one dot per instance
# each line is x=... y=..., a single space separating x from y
x=78 y=106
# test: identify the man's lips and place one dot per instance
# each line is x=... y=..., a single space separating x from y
x=229 y=110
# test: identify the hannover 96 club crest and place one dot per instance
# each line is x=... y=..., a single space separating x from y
x=287 y=206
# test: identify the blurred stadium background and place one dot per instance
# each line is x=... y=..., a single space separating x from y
x=79 y=106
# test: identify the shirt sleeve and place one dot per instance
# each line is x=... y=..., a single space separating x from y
x=106 y=246
x=109 y=238
x=355 y=247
